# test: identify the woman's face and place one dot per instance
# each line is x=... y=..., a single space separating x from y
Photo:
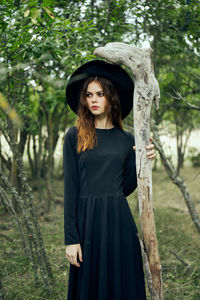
x=95 y=98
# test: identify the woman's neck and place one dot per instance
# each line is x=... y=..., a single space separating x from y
x=103 y=123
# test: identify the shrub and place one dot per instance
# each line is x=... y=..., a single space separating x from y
x=194 y=156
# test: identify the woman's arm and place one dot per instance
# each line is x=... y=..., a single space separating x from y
x=129 y=174
x=71 y=188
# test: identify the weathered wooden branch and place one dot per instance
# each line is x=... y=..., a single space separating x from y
x=146 y=91
x=147 y=269
x=179 y=258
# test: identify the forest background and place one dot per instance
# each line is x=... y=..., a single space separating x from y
x=41 y=43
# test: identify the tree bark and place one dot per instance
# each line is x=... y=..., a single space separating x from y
x=29 y=156
x=28 y=213
x=146 y=90
x=14 y=170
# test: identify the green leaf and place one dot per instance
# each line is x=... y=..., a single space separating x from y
x=26 y=13
x=34 y=15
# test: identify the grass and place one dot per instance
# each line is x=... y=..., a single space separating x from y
x=175 y=231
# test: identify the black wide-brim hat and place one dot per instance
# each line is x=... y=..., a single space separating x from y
x=115 y=73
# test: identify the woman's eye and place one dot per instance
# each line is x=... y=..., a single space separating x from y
x=101 y=94
x=88 y=95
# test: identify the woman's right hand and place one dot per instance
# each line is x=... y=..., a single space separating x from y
x=71 y=254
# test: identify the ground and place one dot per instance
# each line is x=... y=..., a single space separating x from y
x=175 y=231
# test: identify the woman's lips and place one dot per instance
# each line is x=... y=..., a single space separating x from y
x=94 y=107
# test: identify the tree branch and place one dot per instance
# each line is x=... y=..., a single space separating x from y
x=189 y=105
x=169 y=167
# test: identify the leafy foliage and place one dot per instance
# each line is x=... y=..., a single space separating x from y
x=43 y=41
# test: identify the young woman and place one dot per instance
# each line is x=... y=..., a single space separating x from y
x=101 y=239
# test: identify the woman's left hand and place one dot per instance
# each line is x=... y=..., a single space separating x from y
x=151 y=154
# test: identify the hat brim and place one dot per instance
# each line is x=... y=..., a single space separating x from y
x=115 y=73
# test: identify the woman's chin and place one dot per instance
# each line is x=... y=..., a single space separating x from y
x=97 y=113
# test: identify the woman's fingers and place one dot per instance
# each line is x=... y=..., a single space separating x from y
x=148 y=147
x=71 y=255
x=151 y=146
x=151 y=154
x=80 y=254
x=74 y=261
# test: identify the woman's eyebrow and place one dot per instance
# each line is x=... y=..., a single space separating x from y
x=101 y=91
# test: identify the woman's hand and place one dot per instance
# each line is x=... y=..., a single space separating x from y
x=71 y=254
x=151 y=154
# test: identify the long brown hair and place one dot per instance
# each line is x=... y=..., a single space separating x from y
x=85 y=122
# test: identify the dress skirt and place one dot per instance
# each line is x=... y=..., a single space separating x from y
x=112 y=262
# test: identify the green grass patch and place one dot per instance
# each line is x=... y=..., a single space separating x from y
x=175 y=231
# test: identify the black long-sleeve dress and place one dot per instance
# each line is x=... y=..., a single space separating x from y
x=97 y=215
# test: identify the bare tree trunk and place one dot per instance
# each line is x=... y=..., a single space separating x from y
x=3 y=161
x=40 y=141
x=14 y=170
x=181 y=146
x=109 y=10
x=47 y=166
x=146 y=90
x=49 y=169
x=35 y=156
x=25 y=244
x=23 y=136
x=176 y=180
x=29 y=156
x=32 y=234
x=36 y=242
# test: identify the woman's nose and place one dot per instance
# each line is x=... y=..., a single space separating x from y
x=94 y=98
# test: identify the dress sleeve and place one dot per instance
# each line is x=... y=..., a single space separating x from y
x=129 y=173
x=71 y=189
